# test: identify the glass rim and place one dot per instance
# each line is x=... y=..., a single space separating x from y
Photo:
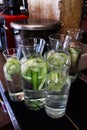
x=10 y=49
x=52 y=36
x=10 y=52
x=31 y=38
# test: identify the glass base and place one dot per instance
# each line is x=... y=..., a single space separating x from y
x=16 y=97
x=54 y=113
x=35 y=104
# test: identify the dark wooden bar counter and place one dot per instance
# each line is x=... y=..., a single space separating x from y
x=5 y=122
x=74 y=119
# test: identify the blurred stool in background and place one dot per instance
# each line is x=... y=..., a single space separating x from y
x=8 y=31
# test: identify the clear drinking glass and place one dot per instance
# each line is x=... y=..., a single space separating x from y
x=12 y=72
x=75 y=51
x=33 y=70
x=57 y=83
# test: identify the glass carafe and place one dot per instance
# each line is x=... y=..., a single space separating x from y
x=57 y=82
x=33 y=71
x=75 y=50
x=71 y=43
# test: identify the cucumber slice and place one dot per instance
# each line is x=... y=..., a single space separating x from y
x=34 y=70
x=56 y=81
x=74 y=54
x=12 y=66
x=34 y=77
x=58 y=59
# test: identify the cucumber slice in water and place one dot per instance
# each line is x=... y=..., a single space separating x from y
x=56 y=81
x=34 y=71
x=58 y=59
x=12 y=66
x=74 y=54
